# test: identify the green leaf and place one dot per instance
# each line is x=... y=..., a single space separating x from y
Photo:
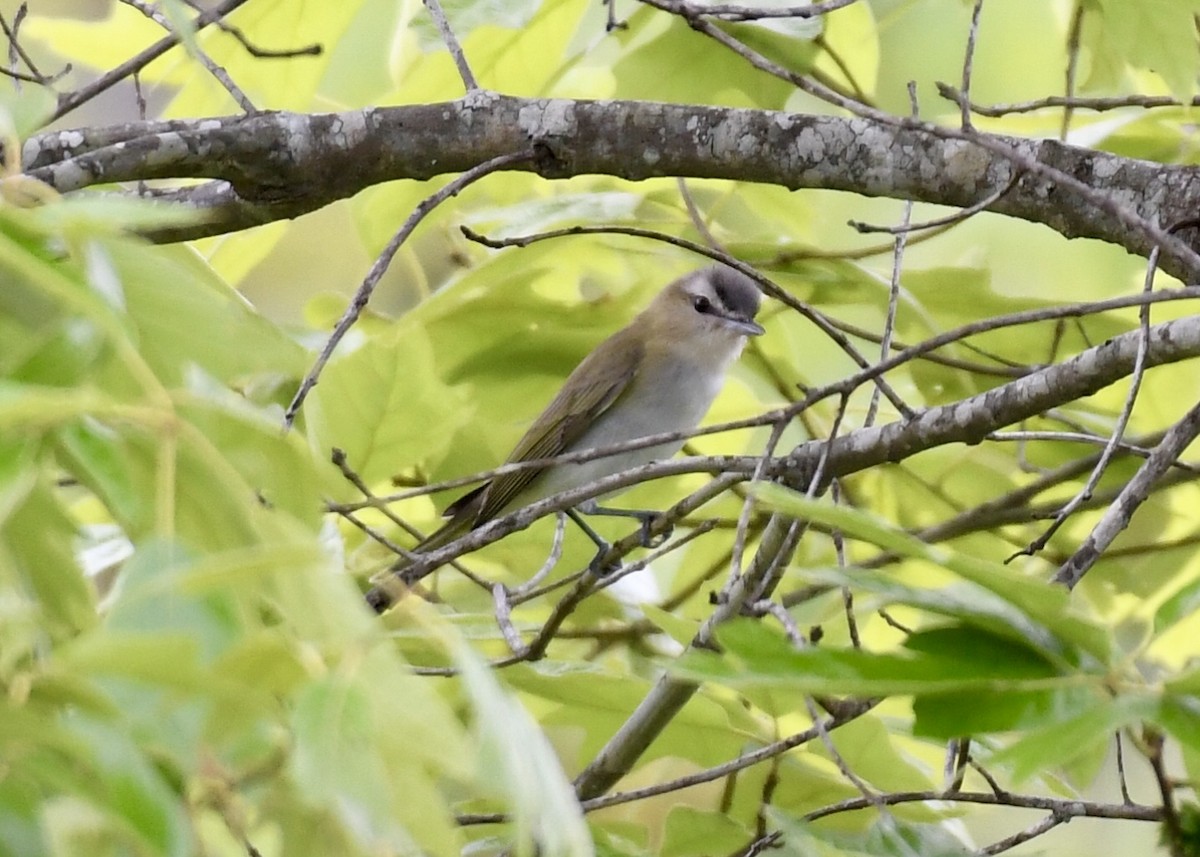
x=1060 y=742
x=186 y=317
x=384 y=406
x=756 y=657
x=465 y=16
x=545 y=810
x=1180 y=715
x=692 y=831
x=719 y=78
x=867 y=747
x=141 y=808
x=35 y=538
x=708 y=731
x=1157 y=35
x=888 y=838
x=1042 y=615
x=334 y=762
x=681 y=630
x=977 y=712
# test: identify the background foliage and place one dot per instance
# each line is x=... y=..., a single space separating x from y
x=186 y=662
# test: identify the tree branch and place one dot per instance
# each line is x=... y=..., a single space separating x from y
x=280 y=165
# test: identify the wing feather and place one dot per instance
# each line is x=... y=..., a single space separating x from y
x=597 y=383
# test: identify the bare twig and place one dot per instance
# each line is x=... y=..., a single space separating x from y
x=1118 y=515
x=1073 y=42
x=1118 y=431
x=735 y=12
x=451 y=42
x=556 y=549
x=363 y=294
x=968 y=62
x=1104 y=201
x=1035 y=830
x=1071 y=103
x=942 y=222
x=889 y=325
x=254 y=50
x=1071 y=807
x=1121 y=778
x=1174 y=837
x=503 y=610
x=342 y=463
x=71 y=100
x=695 y=216
x=219 y=74
x=17 y=52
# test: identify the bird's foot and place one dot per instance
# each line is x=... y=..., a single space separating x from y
x=651 y=539
x=598 y=567
x=647 y=519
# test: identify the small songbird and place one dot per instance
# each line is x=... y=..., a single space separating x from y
x=658 y=374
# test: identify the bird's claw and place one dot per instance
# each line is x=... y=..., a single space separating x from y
x=651 y=539
x=598 y=567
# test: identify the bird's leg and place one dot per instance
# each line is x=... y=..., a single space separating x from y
x=596 y=566
x=645 y=517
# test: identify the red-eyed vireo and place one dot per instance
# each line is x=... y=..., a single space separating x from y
x=659 y=374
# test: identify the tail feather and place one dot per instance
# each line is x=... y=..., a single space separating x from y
x=391 y=585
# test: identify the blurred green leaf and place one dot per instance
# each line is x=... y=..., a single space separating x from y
x=691 y=831
x=546 y=813
x=35 y=539
x=1042 y=613
x=1155 y=35
x=384 y=406
x=976 y=661
x=890 y=838
x=1054 y=744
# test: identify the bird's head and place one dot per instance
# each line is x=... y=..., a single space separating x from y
x=707 y=308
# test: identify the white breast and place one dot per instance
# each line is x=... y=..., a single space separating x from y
x=669 y=395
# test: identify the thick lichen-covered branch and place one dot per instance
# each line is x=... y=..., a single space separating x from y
x=270 y=166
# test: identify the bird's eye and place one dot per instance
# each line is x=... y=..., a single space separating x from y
x=701 y=304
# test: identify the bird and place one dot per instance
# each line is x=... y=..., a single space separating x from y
x=658 y=374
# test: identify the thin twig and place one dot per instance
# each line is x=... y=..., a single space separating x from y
x=71 y=100
x=839 y=551
x=743 y=522
x=556 y=549
x=312 y=50
x=1120 y=512
x=1073 y=42
x=1035 y=830
x=1173 y=834
x=1074 y=807
x=694 y=215
x=1121 y=778
x=451 y=43
x=1118 y=432
x=735 y=12
x=342 y=462
x=1098 y=104
x=1105 y=202
x=363 y=294
x=16 y=51
x=889 y=324
x=968 y=62
x=953 y=219
x=503 y=611
x=777 y=611
x=219 y=74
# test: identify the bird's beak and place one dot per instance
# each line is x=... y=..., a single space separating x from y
x=744 y=326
